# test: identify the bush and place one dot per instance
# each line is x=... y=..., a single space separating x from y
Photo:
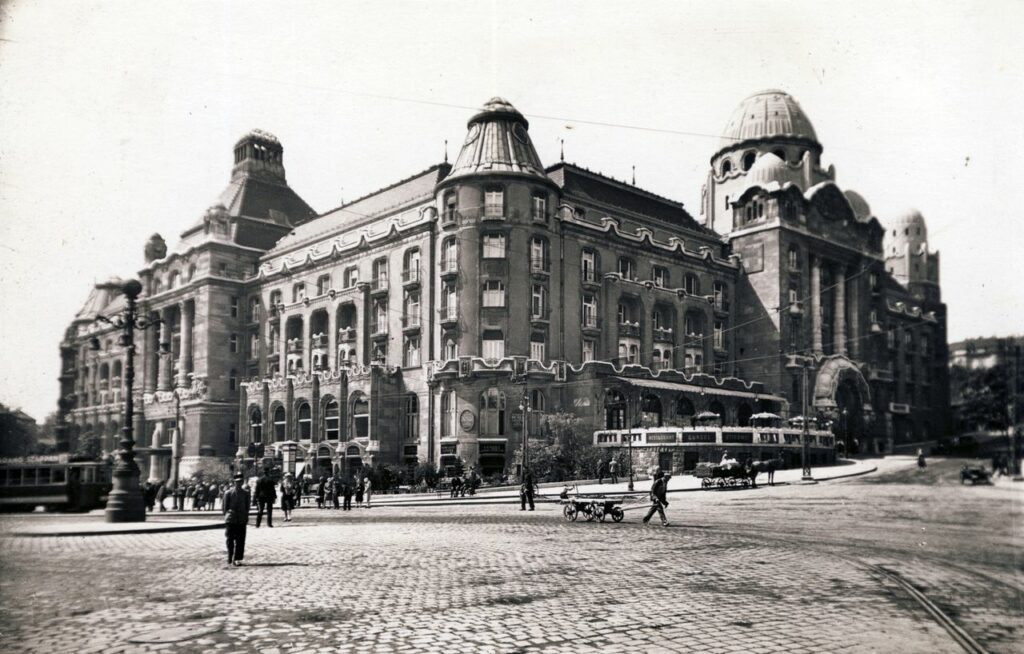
x=425 y=474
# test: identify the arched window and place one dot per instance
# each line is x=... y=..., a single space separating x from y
x=332 y=425
x=451 y=348
x=691 y=284
x=280 y=424
x=748 y=160
x=411 y=415
x=743 y=414
x=305 y=417
x=684 y=408
x=716 y=407
x=360 y=416
x=256 y=426
x=614 y=410
x=492 y=413
x=650 y=411
x=449 y=255
x=538 y=402
x=539 y=254
x=726 y=167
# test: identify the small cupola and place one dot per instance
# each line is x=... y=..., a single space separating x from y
x=259 y=154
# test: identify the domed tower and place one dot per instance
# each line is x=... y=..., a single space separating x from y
x=496 y=210
x=259 y=154
x=772 y=123
x=907 y=257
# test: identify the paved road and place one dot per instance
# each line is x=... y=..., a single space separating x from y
x=783 y=569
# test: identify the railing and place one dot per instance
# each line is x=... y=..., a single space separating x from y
x=449 y=266
x=591 y=321
x=543 y=314
x=629 y=329
x=721 y=304
x=590 y=277
x=379 y=284
x=294 y=345
x=796 y=308
x=411 y=321
x=539 y=265
x=411 y=276
x=379 y=329
x=318 y=341
x=663 y=334
x=448 y=314
x=346 y=334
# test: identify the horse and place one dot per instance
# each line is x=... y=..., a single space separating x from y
x=768 y=466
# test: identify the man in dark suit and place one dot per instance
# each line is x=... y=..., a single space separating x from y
x=658 y=499
x=236 y=518
x=266 y=493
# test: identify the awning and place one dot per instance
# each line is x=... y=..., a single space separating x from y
x=765 y=416
x=299 y=467
x=694 y=388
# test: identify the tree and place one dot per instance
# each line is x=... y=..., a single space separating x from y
x=208 y=470
x=426 y=473
x=90 y=448
x=17 y=433
x=567 y=452
x=984 y=394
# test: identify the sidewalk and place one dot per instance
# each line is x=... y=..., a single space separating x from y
x=93 y=524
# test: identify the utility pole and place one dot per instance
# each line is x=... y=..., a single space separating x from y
x=1011 y=387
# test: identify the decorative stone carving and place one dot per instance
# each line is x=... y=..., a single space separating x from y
x=156 y=248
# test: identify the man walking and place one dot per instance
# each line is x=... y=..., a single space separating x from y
x=602 y=470
x=613 y=470
x=346 y=494
x=235 y=508
x=265 y=496
x=658 y=499
x=526 y=491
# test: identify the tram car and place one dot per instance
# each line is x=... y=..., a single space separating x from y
x=53 y=482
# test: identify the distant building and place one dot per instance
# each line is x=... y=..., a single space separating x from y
x=983 y=352
x=416 y=324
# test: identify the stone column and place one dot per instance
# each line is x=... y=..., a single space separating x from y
x=840 y=312
x=855 y=318
x=185 y=354
x=164 y=381
x=152 y=358
x=816 y=305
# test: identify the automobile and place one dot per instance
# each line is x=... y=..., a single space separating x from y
x=974 y=474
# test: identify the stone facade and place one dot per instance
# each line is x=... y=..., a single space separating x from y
x=422 y=322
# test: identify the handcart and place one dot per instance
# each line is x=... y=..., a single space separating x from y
x=592 y=506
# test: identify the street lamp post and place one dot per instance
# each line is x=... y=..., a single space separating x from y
x=629 y=435
x=524 y=406
x=804 y=363
x=125 y=502
x=846 y=433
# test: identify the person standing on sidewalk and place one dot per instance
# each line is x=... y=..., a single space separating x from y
x=602 y=470
x=613 y=470
x=368 y=491
x=235 y=508
x=346 y=494
x=321 y=491
x=526 y=491
x=286 y=498
x=658 y=499
x=265 y=496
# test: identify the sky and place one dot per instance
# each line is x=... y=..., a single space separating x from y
x=117 y=120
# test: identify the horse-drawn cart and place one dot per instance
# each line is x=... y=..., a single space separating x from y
x=730 y=475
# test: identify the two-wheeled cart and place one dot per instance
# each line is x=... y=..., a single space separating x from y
x=592 y=506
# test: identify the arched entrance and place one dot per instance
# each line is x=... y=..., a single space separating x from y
x=849 y=426
x=841 y=391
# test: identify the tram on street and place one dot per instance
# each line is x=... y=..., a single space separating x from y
x=53 y=482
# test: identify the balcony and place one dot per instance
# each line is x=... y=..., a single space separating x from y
x=796 y=308
x=449 y=268
x=629 y=329
x=346 y=334
x=378 y=330
x=663 y=334
x=721 y=305
x=379 y=286
x=591 y=323
x=318 y=341
x=879 y=373
x=448 y=316
x=542 y=316
x=590 y=278
x=411 y=322
x=539 y=267
x=411 y=277
x=294 y=346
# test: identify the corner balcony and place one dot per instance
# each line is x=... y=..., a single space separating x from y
x=540 y=317
x=591 y=324
x=540 y=268
x=590 y=278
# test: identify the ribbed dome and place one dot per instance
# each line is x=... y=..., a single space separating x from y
x=767 y=169
x=498 y=142
x=910 y=224
x=256 y=134
x=764 y=115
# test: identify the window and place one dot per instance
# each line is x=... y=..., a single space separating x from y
x=256 y=426
x=280 y=424
x=627 y=268
x=305 y=422
x=411 y=353
x=721 y=300
x=494 y=293
x=411 y=415
x=494 y=203
x=273 y=338
x=538 y=254
x=411 y=265
x=493 y=345
x=656 y=320
x=539 y=301
x=492 y=413
x=275 y=298
x=254 y=346
x=232 y=379
x=254 y=309
x=589 y=310
x=232 y=432
x=449 y=255
x=448 y=414
x=380 y=317
x=450 y=208
x=234 y=306
x=299 y=292
x=331 y=420
x=748 y=160
x=794 y=259
x=660 y=276
x=233 y=343
x=380 y=273
x=719 y=335
x=537 y=347
x=588 y=350
x=360 y=416
x=726 y=167
x=873 y=281
x=588 y=265
x=794 y=295
x=323 y=284
x=694 y=324
x=539 y=208
x=449 y=302
x=351 y=277
x=451 y=348
x=873 y=317
x=412 y=309
x=691 y=284
x=494 y=246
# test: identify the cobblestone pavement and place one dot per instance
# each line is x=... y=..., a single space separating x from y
x=784 y=569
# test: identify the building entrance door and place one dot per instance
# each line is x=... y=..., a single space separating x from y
x=665 y=461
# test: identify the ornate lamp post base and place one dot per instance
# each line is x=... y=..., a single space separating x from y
x=125 y=502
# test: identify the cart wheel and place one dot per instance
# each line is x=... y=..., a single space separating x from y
x=588 y=512
x=570 y=512
x=705 y=482
x=721 y=482
x=618 y=514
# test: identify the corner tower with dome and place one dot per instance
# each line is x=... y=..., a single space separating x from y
x=449 y=317
x=821 y=276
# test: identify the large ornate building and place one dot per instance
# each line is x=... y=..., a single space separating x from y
x=441 y=318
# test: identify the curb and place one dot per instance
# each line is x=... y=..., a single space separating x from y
x=113 y=532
